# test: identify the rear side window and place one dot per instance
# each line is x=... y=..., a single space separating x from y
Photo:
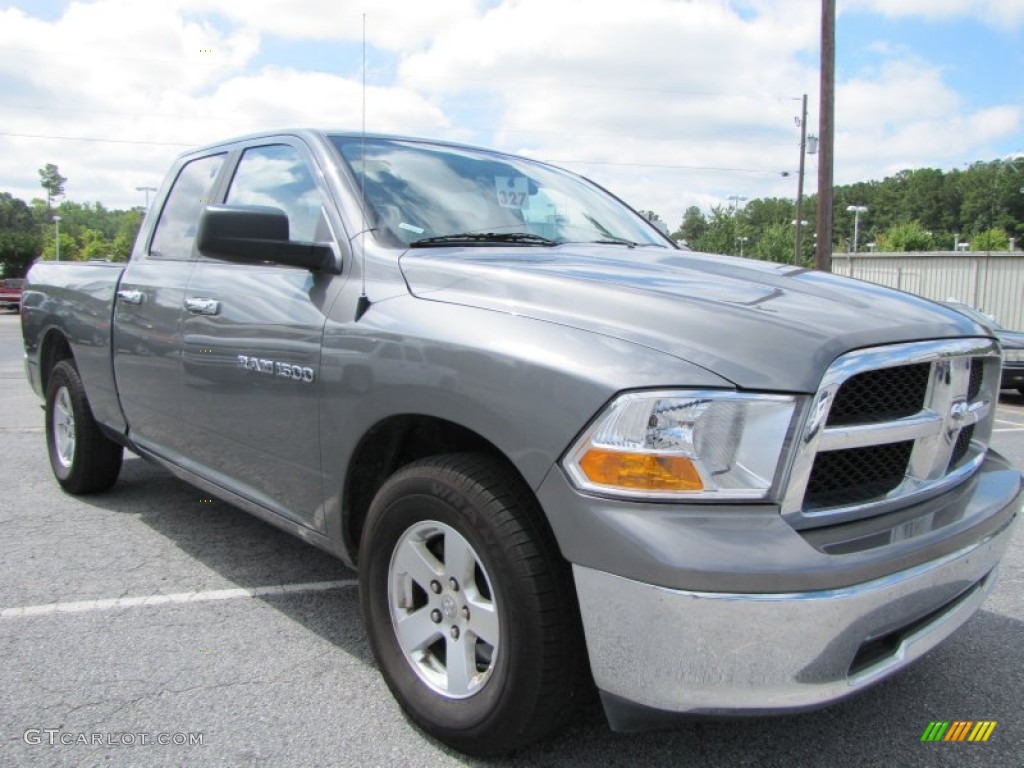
x=176 y=229
x=278 y=176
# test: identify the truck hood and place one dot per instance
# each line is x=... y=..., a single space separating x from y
x=760 y=325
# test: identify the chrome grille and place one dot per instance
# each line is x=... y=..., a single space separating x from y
x=977 y=376
x=962 y=445
x=892 y=424
x=856 y=474
x=883 y=395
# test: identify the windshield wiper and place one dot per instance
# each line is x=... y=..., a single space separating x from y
x=627 y=243
x=483 y=238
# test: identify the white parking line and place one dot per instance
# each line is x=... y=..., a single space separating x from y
x=1009 y=429
x=86 y=606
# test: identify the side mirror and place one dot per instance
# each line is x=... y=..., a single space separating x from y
x=250 y=234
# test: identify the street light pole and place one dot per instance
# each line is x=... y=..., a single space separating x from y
x=800 y=184
x=147 y=190
x=56 y=239
x=856 y=210
x=742 y=239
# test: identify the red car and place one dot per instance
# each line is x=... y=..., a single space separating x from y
x=10 y=293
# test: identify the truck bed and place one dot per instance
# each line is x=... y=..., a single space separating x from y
x=75 y=299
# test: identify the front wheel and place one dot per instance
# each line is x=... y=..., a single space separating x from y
x=82 y=458
x=468 y=605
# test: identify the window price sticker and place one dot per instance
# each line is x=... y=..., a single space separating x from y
x=513 y=191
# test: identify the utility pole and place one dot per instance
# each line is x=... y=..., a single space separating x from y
x=826 y=134
x=800 y=182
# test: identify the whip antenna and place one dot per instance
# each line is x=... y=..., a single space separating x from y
x=364 y=301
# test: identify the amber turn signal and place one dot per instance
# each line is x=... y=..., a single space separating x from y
x=640 y=471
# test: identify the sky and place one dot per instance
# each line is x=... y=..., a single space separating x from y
x=668 y=103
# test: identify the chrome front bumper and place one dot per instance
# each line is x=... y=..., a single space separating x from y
x=716 y=653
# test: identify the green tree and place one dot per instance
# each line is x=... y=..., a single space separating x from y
x=720 y=234
x=128 y=226
x=993 y=239
x=51 y=180
x=976 y=186
x=69 y=250
x=1008 y=197
x=87 y=231
x=693 y=226
x=955 y=205
x=761 y=213
x=910 y=236
x=776 y=244
x=92 y=245
x=19 y=236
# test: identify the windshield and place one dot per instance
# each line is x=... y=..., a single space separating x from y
x=426 y=194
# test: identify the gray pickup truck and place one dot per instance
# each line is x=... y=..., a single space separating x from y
x=560 y=450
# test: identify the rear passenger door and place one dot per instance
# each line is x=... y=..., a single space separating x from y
x=252 y=337
x=148 y=312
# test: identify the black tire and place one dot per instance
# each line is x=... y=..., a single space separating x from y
x=528 y=685
x=82 y=458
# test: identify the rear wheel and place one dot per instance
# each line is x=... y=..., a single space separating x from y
x=82 y=458
x=468 y=605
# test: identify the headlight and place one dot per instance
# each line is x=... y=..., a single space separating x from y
x=1013 y=355
x=693 y=445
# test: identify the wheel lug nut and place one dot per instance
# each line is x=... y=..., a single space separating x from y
x=454 y=584
x=435 y=587
x=435 y=616
x=455 y=633
x=465 y=612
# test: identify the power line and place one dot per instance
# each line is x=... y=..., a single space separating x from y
x=619 y=136
x=534 y=82
x=491 y=128
x=562 y=162
x=601 y=86
x=64 y=110
x=105 y=141
x=677 y=167
x=94 y=53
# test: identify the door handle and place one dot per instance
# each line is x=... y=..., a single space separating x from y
x=200 y=306
x=131 y=297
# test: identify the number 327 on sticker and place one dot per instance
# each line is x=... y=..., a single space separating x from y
x=513 y=191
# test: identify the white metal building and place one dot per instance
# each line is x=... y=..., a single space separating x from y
x=991 y=281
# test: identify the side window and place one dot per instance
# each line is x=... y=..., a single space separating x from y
x=176 y=228
x=277 y=175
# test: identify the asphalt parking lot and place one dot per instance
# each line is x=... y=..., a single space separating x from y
x=152 y=614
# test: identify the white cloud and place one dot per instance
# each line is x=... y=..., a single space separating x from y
x=134 y=72
x=394 y=24
x=649 y=100
x=672 y=84
x=998 y=13
x=900 y=91
x=116 y=50
x=905 y=116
